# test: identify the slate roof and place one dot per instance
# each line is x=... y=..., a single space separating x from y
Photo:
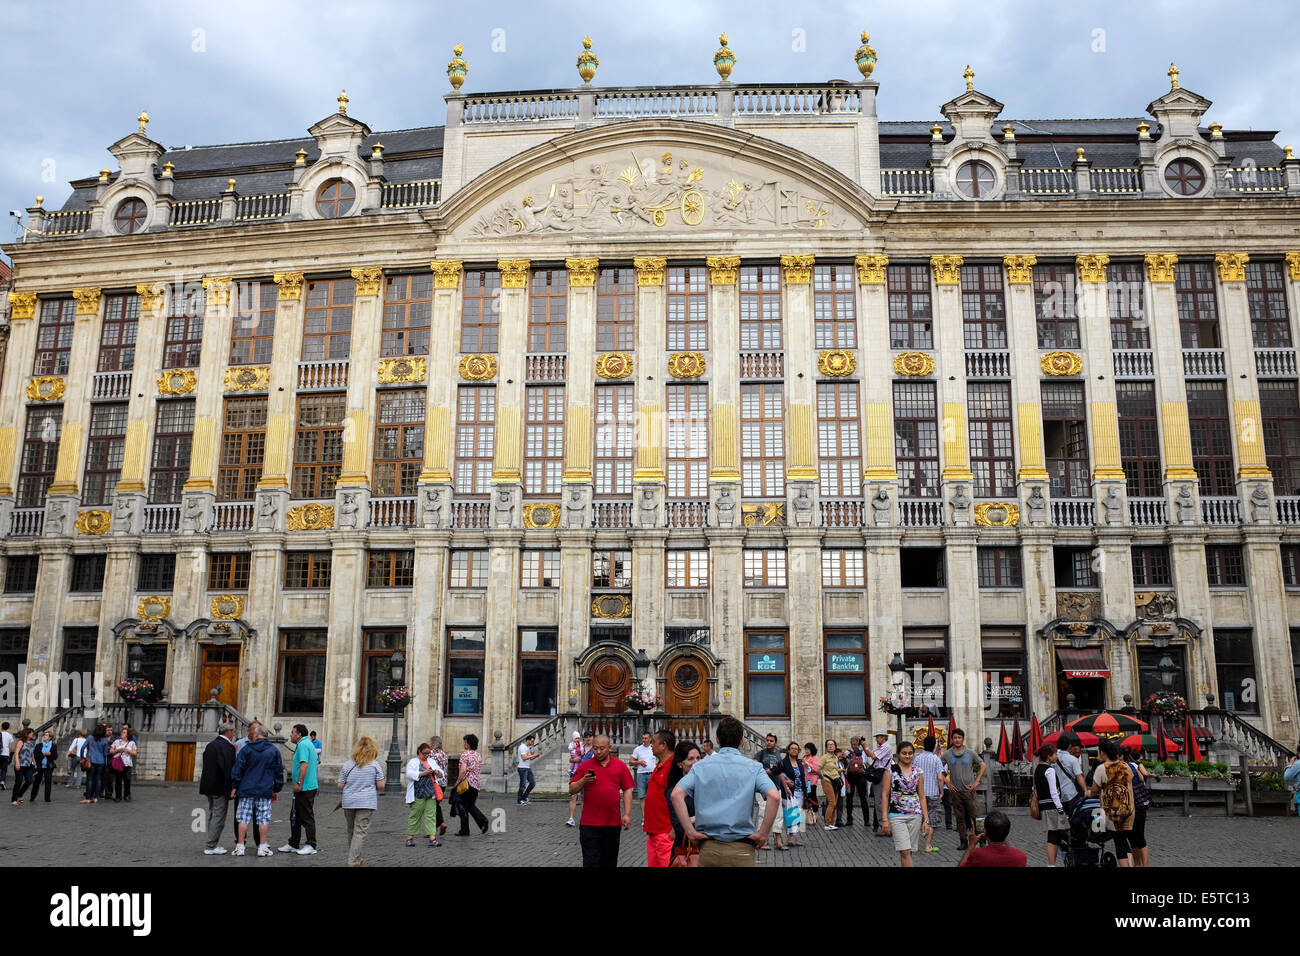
x=201 y=171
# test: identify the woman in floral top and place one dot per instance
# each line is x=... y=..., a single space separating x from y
x=471 y=762
x=905 y=797
x=439 y=756
x=26 y=771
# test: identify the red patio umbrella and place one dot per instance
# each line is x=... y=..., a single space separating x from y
x=1106 y=723
x=1146 y=742
x=1085 y=738
x=1004 y=749
x=1189 y=741
x=1017 y=745
x=1035 y=734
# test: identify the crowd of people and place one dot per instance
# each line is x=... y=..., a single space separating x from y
x=104 y=759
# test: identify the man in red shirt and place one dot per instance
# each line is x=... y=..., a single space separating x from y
x=600 y=780
x=991 y=849
x=656 y=823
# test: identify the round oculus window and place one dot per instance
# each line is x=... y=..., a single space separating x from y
x=976 y=180
x=130 y=216
x=1184 y=177
x=335 y=198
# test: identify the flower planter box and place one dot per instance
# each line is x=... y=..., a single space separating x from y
x=1213 y=785
x=1165 y=784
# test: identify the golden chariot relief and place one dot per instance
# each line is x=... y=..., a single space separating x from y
x=649 y=192
x=763 y=514
x=393 y=371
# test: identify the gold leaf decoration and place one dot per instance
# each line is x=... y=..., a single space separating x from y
x=514 y=273
x=1020 y=269
x=248 y=378
x=217 y=289
x=22 y=305
x=312 y=517
x=1232 y=266
x=395 y=370
x=582 y=272
x=722 y=269
x=446 y=273
x=290 y=284
x=180 y=381
x=947 y=269
x=1092 y=268
x=87 y=301
x=368 y=279
x=997 y=514
x=649 y=269
x=798 y=269
x=45 y=388
x=1061 y=363
x=542 y=515
x=615 y=365
x=763 y=514
x=914 y=363
x=686 y=364
x=1160 y=266
x=93 y=522
x=611 y=606
x=871 y=269
x=153 y=608
x=227 y=606
x=837 y=363
x=478 y=368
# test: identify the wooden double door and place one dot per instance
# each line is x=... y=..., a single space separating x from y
x=686 y=686
x=219 y=667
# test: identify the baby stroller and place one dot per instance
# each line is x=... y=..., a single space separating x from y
x=1088 y=837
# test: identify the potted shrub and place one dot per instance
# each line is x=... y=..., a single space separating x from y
x=1170 y=775
x=1210 y=777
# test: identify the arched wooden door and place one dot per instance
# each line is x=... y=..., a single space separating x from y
x=610 y=679
x=686 y=687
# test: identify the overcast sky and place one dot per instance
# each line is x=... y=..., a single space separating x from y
x=239 y=71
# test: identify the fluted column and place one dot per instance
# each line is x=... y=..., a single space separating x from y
x=1022 y=332
x=277 y=463
x=1243 y=384
x=367 y=333
x=149 y=335
x=800 y=358
x=76 y=394
x=512 y=341
x=208 y=390
x=439 y=419
x=651 y=367
x=946 y=273
x=724 y=381
x=580 y=388
x=875 y=372
x=1171 y=387
x=17 y=375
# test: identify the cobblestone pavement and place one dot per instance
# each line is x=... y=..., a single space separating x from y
x=155 y=829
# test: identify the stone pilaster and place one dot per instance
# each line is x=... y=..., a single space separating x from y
x=800 y=369
x=1243 y=385
x=281 y=412
x=1099 y=374
x=367 y=333
x=343 y=689
x=575 y=614
x=501 y=651
x=1171 y=388
x=965 y=652
x=1271 y=634
x=45 y=645
x=426 y=646
x=1115 y=554
x=651 y=368
x=13 y=387
x=579 y=389
x=76 y=394
x=807 y=695
x=949 y=338
x=727 y=599
x=205 y=449
x=1040 y=607
x=648 y=589
x=151 y=328
x=876 y=375
x=439 y=424
x=884 y=611
x=1025 y=372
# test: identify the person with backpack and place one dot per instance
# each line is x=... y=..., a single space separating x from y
x=1051 y=803
x=1114 y=783
x=76 y=750
x=1137 y=839
x=855 y=782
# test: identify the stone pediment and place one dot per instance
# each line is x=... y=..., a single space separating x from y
x=656 y=181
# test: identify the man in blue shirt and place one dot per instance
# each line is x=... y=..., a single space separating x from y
x=303 y=816
x=723 y=788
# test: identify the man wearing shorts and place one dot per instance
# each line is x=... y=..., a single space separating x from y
x=963 y=780
x=255 y=781
x=931 y=768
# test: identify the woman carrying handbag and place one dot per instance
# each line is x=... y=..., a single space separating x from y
x=685 y=852
x=422 y=796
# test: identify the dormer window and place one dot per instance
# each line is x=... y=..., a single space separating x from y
x=1184 y=177
x=130 y=216
x=335 y=198
x=976 y=180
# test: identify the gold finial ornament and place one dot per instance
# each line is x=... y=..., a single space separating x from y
x=1144 y=130
x=969 y=76
x=1172 y=73
x=167 y=170
x=865 y=58
x=457 y=69
x=587 y=62
x=724 y=60
x=343 y=103
x=230 y=185
x=143 y=119
x=377 y=151
x=300 y=158
x=1288 y=152
x=39 y=200
x=936 y=132
x=1078 y=155
x=1008 y=132
x=103 y=175
x=1216 y=130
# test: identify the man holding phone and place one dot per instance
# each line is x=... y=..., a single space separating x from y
x=601 y=781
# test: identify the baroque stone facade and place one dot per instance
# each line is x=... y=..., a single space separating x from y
x=742 y=396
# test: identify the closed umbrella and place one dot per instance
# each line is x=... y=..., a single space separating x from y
x=1004 y=748
x=1162 y=742
x=930 y=729
x=952 y=725
x=1035 y=734
x=1189 y=741
x=1017 y=745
